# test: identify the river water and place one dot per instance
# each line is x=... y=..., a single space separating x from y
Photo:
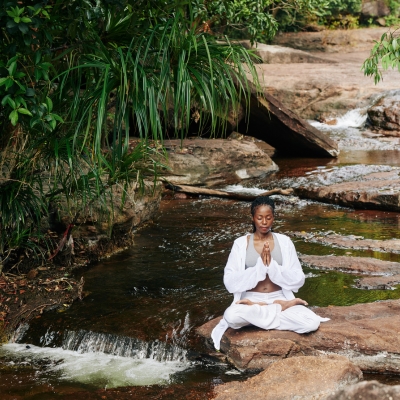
x=135 y=326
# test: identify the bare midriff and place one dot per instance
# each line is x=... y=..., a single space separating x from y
x=265 y=286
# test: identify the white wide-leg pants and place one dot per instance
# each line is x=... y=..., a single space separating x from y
x=298 y=318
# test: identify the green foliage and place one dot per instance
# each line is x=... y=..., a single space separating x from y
x=237 y=18
x=342 y=14
x=385 y=53
x=77 y=79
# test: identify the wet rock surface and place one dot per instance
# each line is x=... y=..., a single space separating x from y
x=368 y=390
x=215 y=161
x=386 y=274
x=385 y=114
x=299 y=378
x=355 y=187
x=368 y=334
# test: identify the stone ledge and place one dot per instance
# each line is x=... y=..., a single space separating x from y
x=303 y=378
x=368 y=334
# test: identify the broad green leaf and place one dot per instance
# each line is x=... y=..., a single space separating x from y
x=13 y=117
x=49 y=104
x=19 y=75
x=11 y=24
x=38 y=56
x=10 y=102
x=23 y=28
x=4 y=100
x=3 y=81
x=57 y=118
x=9 y=82
x=24 y=111
x=12 y=68
x=26 y=20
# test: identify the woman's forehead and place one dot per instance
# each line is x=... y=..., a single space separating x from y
x=263 y=209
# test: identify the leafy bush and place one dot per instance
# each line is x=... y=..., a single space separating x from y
x=63 y=68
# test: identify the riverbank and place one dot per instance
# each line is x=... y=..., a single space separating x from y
x=34 y=285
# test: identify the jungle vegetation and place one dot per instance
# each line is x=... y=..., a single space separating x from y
x=79 y=78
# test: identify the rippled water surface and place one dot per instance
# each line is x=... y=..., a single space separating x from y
x=136 y=324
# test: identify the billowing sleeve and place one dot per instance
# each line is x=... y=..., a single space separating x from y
x=290 y=275
x=238 y=280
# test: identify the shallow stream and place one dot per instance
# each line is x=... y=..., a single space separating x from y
x=135 y=326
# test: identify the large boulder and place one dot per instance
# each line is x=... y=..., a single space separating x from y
x=368 y=334
x=305 y=378
x=367 y=390
x=272 y=122
x=385 y=114
x=209 y=162
x=375 y=8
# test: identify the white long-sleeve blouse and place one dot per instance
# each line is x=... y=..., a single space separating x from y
x=237 y=279
x=289 y=276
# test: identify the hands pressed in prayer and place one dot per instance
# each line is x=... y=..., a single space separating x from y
x=266 y=254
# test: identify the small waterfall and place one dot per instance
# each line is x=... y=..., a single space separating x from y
x=102 y=359
x=92 y=342
x=352 y=119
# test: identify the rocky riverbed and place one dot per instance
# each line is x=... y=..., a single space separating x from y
x=360 y=337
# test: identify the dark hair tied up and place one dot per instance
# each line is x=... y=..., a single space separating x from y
x=262 y=201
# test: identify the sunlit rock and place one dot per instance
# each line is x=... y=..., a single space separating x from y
x=359 y=186
x=271 y=54
x=306 y=378
x=385 y=114
x=375 y=8
x=368 y=334
x=367 y=390
x=215 y=161
x=327 y=90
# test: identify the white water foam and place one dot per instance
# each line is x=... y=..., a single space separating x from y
x=95 y=368
x=103 y=360
x=99 y=369
x=352 y=119
x=350 y=133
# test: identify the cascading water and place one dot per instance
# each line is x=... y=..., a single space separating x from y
x=101 y=359
x=351 y=132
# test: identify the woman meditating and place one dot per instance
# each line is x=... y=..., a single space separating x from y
x=262 y=272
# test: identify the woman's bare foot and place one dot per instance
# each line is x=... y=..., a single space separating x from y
x=290 y=303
